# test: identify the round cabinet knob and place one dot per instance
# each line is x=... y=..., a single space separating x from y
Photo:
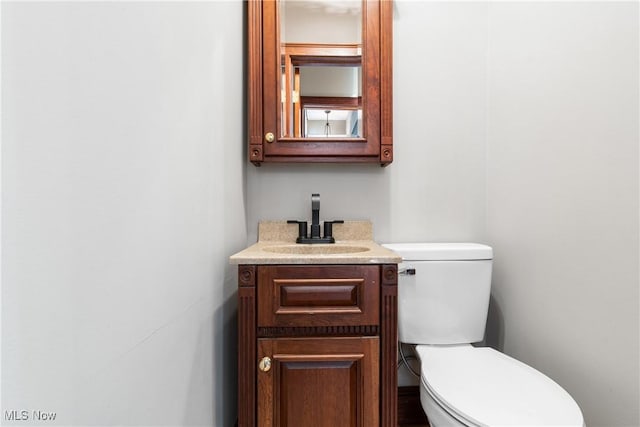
x=269 y=137
x=265 y=364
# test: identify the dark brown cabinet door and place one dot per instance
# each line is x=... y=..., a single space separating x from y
x=318 y=382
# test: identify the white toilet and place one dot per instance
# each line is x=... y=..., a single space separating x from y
x=443 y=300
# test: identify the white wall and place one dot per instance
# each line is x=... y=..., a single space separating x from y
x=435 y=189
x=122 y=197
x=437 y=180
x=563 y=196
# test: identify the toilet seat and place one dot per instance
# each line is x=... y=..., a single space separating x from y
x=480 y=386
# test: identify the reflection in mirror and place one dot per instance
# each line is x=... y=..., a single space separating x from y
x=331 y=123
x=321 y=21
x=321 y=64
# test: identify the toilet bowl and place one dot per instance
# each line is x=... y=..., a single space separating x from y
x=479 y=386
x=443 y=295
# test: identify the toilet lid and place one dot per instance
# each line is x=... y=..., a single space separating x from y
x=484 y=387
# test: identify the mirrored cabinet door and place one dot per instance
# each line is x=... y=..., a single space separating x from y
x=319 y=81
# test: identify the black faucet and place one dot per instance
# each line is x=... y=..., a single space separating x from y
x=315 y=225
x=315 y=216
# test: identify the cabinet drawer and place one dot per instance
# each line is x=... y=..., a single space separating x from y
x=340 y=295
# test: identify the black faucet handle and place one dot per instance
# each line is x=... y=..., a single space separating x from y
x=302 y=228
x=315 y=216
x=328 y=228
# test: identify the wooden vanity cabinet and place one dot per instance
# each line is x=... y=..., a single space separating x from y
x=317 y=345
x=277 y=102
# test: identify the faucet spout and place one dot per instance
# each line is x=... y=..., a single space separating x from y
x=315 y=216
x=315 y=225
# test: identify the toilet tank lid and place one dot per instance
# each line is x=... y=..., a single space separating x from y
x=441 y=251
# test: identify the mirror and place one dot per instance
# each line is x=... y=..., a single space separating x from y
x=320 y=81
x=321 y=69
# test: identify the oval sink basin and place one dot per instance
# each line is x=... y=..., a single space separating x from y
x=318 y=249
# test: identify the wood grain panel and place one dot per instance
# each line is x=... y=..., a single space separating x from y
x=386 y=82
x=318 y=331
x=331 y=102
x=319 y=146
x=322 y=159
x=348 y=50
x=335 y=295
x=316 y=381
x=318 y=295
x=271 y=74
x=319 y=382
x=254 y=77
x=371 y=76
x=389 y=346
x=246 y=352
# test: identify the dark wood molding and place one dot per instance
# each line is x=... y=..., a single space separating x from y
x=371 y=75
x=318 y=331
x=247 y=275
x=322 y=49
x=321 y=159
x=331 y=102
x=389 y=275
x=386 y=155
x=271 y=80
x=247 y=345
x=299 y=61
x=321 y=54
x=389 y=345
x=255 y=153
x=254 y=79
x=386 y=82
x=247 y=356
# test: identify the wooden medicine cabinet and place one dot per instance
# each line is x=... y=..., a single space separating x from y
x=320 y=81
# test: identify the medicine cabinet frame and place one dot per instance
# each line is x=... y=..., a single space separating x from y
x=264 y=73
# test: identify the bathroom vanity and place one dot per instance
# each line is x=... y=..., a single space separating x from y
x=317 y=325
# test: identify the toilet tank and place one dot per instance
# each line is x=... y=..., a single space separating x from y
x=446 y=300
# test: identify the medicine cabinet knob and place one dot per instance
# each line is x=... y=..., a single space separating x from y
x=269 y=137
x=265 y=364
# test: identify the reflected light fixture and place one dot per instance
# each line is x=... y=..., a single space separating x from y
x=327 y=126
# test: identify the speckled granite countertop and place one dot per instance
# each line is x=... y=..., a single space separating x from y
x=277 y=245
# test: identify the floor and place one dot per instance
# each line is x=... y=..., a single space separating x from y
x=410 y=413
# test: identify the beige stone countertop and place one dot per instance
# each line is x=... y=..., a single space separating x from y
x=354 y=245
